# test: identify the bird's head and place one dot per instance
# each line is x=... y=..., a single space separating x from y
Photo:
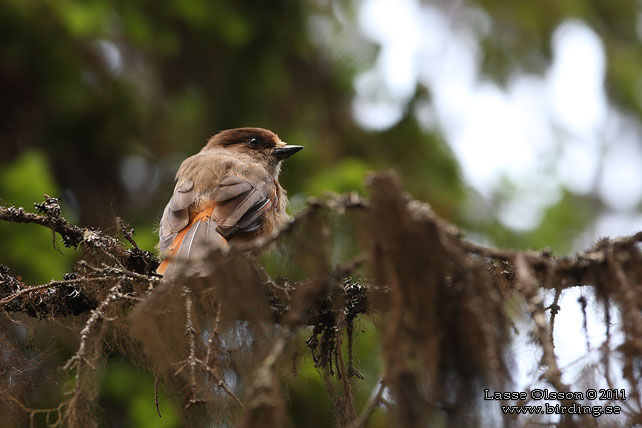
x=260 y=144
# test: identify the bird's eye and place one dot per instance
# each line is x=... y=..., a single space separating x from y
x=254 y=141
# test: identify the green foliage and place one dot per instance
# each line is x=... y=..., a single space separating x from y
x=346 y=176
x=307 y=387
x=146 y=236
x=82 y=19
x=27 y=250
x=125 y=387
x=560 y=226
x=563 y=223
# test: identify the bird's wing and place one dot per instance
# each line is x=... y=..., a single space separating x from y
x=176 y=214
x=239 y=205
x=235 y=206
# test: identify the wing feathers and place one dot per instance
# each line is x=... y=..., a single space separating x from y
x=231 y=211
x=183 y=195
x=176 y=213
x=237 y=206
x=230 y=187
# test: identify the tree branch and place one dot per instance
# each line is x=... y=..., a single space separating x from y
x=427 y=277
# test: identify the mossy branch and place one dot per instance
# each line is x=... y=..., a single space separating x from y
x=414 y=270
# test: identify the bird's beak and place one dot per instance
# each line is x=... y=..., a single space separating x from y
x=285 y=152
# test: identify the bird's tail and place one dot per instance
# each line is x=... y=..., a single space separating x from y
x=194 y=240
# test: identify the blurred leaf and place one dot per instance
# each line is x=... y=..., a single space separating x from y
x=132 y=389
x=562 y=223
x=146 y=236
x=347 y=175
x=82 y=18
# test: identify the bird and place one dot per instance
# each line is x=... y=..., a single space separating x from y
x=229 y=191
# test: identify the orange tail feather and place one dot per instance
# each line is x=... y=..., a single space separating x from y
x=180 y=236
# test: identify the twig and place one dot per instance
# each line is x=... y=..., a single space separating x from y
x=528 y=287
x=191 y=360
x=156 y=395
x=128 y=233
x=51 y=284
x=555 y=308
x=343 y=376
x=57 y=410
x=73 y=235
x=75 y=362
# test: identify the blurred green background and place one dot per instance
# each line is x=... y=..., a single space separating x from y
x=101 y=100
